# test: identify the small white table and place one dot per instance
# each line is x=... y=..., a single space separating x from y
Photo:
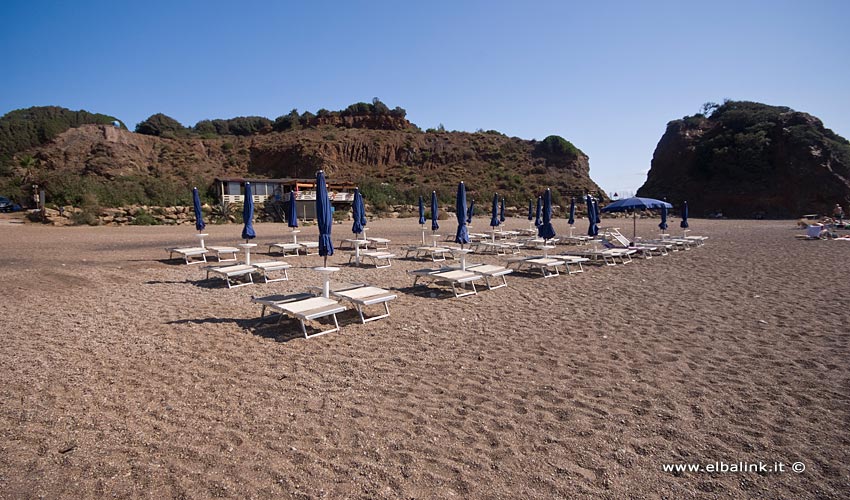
x=326 y=279
x=357 y=243
x=247 y=247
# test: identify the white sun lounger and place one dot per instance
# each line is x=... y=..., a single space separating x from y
x=380 y=259
x=437 y=254
x=310 y=245
x=264 y=268
x=188 y=254
x=221 y=252
x=594 y=255
x=548 y=266
x=285 y=248
x=362 y=296
x=379 y=243
x=491 y=271
x=453 y=277
x=235 y=271
x=310 y=309
x=571 y=260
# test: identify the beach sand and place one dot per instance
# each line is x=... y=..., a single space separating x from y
x=128 y=375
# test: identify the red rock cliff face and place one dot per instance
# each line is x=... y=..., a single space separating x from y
x=407 y=160
x=751 y=160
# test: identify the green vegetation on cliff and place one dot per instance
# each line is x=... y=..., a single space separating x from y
x=23 y=129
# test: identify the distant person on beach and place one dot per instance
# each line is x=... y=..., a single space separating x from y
x=838 y=213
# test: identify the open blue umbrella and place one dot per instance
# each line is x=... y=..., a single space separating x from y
x=546 y=231
x=462 y=235
x=292 y=212
x=494 y=215
x=684 y=223
x=663 y=225
x=357 y=227
x=421 y=211
x=538 y=220
x=324 y=217
x=434 y=208
x=592 y=229
x=470 y=212
x=248 y=215
x=634 y=204
x=502 y=211
x=572 y=219
x=199 y=214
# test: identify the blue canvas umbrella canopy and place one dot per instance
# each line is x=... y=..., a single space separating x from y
x=470 y=212
x=462 y=235
x=538 y=220
x=357 y=226
x=292 y=212
x=362 y=211
x=592 y=230
x=494 y=215
x=572 y=219
x=684 y=223
x=434 y=214
x=663 y=224
x=199 y=214
x=547 y=232
x=502 y=211
x=634 y=204
x=596 y=211
x=248 y=215
x=530 y=210
x=324 y=217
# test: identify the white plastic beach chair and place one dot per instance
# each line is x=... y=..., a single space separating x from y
x=264 y=268
x=235 y=271
x=452 y=277
x=188 y=254
x=303 y=308
x=363 y=295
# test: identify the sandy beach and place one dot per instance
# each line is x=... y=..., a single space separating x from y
x=126 y=374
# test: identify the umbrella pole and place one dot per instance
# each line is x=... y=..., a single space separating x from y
x=634 y=225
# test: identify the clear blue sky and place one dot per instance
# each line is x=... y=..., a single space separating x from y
x=607 y=76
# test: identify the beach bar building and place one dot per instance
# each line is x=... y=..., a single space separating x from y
x=232 y=190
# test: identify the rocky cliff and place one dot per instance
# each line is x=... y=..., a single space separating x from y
x=751 y=160
x=405 y=163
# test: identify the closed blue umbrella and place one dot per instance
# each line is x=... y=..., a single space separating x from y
x=530 y=210
x=592 y=230
x=546 y=231
x=434 y=215
x=421 y=211
x=596 y=212
x=248 y=215
x=292 y=212
x=684 y=223
x=199 y=214
x=502 y=211
x=663 y=224
x=324 y=217
x=357 y=227
x=462 y=235
x=538 y=220
x=494 y=215
x=470 y=212
x=362 y=211
x=572 y=211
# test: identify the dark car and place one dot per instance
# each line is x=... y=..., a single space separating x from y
x=6 y=205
